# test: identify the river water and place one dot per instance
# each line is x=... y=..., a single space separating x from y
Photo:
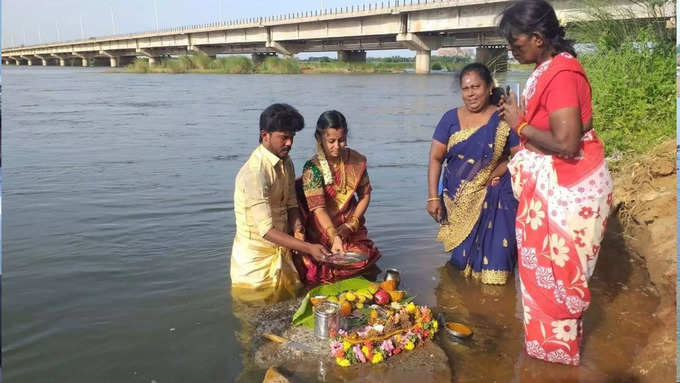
x=118 y=223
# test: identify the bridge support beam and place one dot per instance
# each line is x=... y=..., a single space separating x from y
x=43 y=59
x=61 y=59
x=154 y=56
x=496 y=59
x=283 y=49
x=84 y=59
x=423 y=62
x=258 y=58
x=197 y=50
x=114 y=60
x=423 y=45
x=29 y=60
x=352 y=56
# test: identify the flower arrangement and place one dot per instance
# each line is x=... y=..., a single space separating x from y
x=378 y=341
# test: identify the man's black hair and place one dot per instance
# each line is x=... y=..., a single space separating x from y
x=281 y=118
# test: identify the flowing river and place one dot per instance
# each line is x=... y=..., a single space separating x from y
x=118 y=224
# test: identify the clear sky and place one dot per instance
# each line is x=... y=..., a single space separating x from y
x=35 y=21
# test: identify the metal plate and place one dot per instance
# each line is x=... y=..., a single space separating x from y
x=347 y=259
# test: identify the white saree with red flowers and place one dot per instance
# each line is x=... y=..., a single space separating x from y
x=561 y=218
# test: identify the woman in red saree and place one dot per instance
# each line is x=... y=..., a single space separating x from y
x=333 y=194
x=560 y=179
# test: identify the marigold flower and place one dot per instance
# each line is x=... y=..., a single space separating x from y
x=409 y=346
x=342 y=362
x=346 y=345
x=377 y=358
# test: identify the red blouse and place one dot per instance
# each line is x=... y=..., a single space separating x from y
x=567 y=89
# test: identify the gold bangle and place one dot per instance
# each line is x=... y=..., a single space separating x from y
x=520 y=127
x=433 y=199
x=353 y=223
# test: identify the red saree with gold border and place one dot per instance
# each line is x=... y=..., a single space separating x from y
x=340 y=199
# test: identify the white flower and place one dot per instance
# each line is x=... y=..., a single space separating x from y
x=527 y=314
x=518 y=237
x=559 y=356
x=545 y=278
x=560 y=292
x=575 y=305
x=565 y=330
x=529 y=259
x=559 y=252
x=535 y=215
x=534 y=349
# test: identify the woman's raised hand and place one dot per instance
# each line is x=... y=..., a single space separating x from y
x=510 y=111
x=435 y=209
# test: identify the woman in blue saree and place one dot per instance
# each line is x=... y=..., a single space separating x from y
x=475 y=205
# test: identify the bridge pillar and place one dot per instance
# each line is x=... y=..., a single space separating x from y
x=352 y=56
x=44 y=62
x=154 y=60
x=113 y=61
x=422 y=62
x=62 y=62
x=83 y=61
x=258 y=58
x=496 y=59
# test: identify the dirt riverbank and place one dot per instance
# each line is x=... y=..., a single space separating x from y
x=645 y=194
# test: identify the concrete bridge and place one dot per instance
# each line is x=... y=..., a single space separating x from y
x=419 y=25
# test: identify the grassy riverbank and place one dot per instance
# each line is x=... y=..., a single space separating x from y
x=276 y=65
x=632 y=74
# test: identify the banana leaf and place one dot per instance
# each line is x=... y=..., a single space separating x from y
x=305 y=316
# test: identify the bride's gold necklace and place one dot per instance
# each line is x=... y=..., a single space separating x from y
x=338 y=168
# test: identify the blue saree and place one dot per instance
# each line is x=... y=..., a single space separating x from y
x=479 y=223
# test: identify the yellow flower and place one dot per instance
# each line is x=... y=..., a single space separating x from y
x=346 y=345
x=409 y=346
x=377 y=358
x=435 y=325
x=411 y=307
x=342 y=362
x=365 y=350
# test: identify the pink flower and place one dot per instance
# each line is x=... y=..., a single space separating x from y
x=357 y=352
x=342 y=333
x=335 y=346
x=387 y=346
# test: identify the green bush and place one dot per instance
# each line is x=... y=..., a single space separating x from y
x=632 y=75
x=232 y=65
x=633 y=96
x=278 y=65
x=436 y=66
x=138 y=66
